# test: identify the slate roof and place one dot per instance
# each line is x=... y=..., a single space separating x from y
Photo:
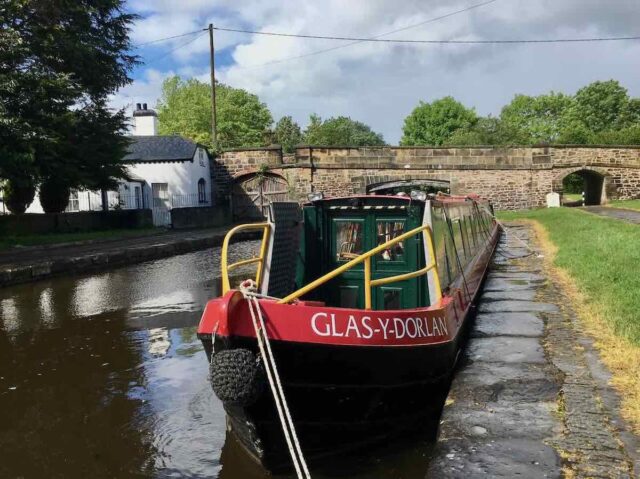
x=160 y=148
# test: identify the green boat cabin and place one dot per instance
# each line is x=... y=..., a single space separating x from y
x=338 y=230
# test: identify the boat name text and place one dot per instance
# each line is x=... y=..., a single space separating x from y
x=366 y=327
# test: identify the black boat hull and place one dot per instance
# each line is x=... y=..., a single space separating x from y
x=342 y=398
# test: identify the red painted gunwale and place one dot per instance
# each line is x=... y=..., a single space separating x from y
x=229 y=316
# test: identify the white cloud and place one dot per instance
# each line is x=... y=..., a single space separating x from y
x=380 y=83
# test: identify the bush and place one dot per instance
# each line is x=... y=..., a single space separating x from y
x=18 y=194
x=54 y=195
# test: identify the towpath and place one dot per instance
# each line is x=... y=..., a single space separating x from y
x=20 y=265
x=531 y=396
x=630 y=216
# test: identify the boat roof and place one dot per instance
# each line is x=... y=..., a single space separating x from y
x=354 y=200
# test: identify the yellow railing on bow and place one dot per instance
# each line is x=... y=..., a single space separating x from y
x=225 y=267
x=366 y=258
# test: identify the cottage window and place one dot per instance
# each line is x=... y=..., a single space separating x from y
x=74 y=202
x=202 y=191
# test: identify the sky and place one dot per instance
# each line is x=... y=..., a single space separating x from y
x=380 y=84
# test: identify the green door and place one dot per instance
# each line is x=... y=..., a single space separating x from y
x=351 y=234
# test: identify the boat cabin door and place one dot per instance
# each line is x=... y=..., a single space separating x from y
x=352 y=234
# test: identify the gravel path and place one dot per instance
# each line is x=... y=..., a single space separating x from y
x=618 y=213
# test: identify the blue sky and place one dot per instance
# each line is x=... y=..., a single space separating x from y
x=380 y=84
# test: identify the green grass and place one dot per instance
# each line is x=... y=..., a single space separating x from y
x=602 y=255
x=631 y=204
x=54 y=238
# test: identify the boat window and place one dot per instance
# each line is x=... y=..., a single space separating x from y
x=440 y=235
x=349 y=239
x=386 y=231
x=391 y=298
x=457 y=236
x=466 y=236
x=472 y=233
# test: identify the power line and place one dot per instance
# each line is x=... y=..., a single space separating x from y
x=158 y=40
x=182 y=45
x=317 y=52
x=439 y=42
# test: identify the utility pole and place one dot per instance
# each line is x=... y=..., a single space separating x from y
x=214 y=135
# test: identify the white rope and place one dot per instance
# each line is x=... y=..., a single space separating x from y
x=248 y=288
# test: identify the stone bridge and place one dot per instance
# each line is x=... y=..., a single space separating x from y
x=512 y=177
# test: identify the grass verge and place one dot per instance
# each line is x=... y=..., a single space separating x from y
x=629 y=204
x=7 y=242
x=596 y=260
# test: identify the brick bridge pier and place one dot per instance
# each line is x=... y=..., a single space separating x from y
x=512 y=177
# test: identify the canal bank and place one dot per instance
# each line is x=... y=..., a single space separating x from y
x=531 y=397
x=22 y=265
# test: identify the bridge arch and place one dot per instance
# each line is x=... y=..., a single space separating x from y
x=253 y=192
x=598 y=186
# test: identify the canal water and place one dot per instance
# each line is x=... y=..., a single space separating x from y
x=103 y=376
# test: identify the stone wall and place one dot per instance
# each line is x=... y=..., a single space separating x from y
x=200 y=217
x=512 y=177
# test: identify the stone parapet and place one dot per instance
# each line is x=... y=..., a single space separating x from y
x=511 y=177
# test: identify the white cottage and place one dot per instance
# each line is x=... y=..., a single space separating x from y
x=164 y=172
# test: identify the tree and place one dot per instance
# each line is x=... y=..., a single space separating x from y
x=54 y=195
x=434 y=123
x=340 y=131
x=18 y=193
x=604 y=105
x=59 y=62
x=185 y=108
x=537 y=119
x=487 y=131
x=287 y=134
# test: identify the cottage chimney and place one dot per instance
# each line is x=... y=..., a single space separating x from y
x=145 y=121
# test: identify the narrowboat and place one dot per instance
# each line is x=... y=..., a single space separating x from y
x=364 y=300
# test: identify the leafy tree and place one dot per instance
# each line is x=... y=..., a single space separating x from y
x=573 y=183
x=434 y=123
x=488 y=131
x=340 y=131
x=54 y=195
x=59 y=62
x=536 y=119
x=604 y=105
x=624 y=136
x=185 y=108
x=287 y=134
x=18 y=193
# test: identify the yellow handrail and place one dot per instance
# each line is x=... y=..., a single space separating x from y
x=265 y=227
x=366 y=258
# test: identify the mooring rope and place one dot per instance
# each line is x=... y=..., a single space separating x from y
x=248 y=290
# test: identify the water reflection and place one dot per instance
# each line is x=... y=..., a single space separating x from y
x=103 y=376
